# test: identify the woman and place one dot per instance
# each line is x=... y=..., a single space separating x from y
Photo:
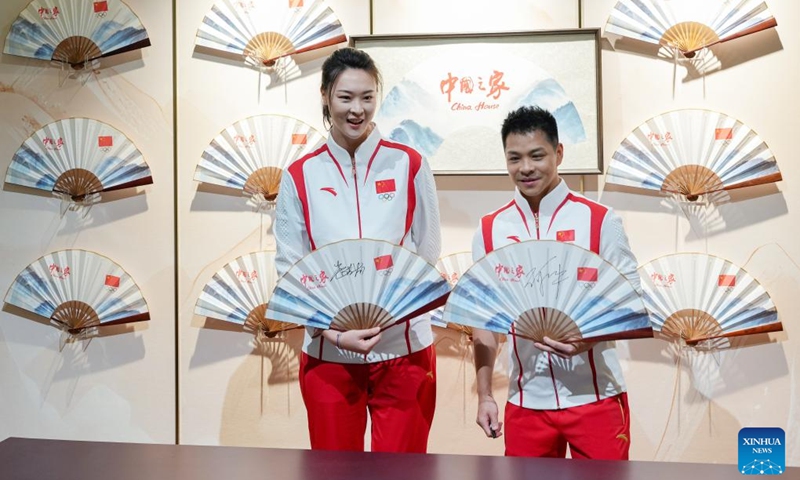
x=360 y=185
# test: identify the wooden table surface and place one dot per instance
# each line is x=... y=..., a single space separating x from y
x=22 y=459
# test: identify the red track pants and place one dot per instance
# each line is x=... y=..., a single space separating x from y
x=599 y=430
x=400 y=395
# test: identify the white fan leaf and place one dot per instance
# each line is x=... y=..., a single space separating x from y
x=250 y=154
x=239 y=293
x=692 y=153
x=451 y=267
x=356 y=284
x=694 y=297
x=548 y=288
x=78 y=157
x=265 y=30
x=688 y=25
x=75 y=31
x=78 y=289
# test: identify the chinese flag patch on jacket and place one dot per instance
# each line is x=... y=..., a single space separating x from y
x=565 y=235
x=385 y=186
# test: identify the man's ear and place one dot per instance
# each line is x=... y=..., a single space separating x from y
x=559 y=154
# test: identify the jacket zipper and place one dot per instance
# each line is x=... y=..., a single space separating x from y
x=358 y=203
x=549 y=360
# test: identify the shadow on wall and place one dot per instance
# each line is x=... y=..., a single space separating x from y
x=454 y=429
x=263 y=406
x=64 y=361
x=723 y=213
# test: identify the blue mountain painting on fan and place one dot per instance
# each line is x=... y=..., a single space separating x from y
x=471 y=292
x=403 y=296
x=24 y=33
x=286 y=307
x=752 y=317
x=29 y=168
x=111 y=36
x=34 y=293
x=115 y=170
x=106 y=310
x=745 y=318
x=613 y=321
x=232 y=177
x=238 y=314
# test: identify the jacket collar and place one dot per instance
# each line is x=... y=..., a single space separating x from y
x=363 y=152
x=547 y=207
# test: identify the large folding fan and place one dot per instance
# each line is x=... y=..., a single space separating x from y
x=75 y=32
x=696 y=297
x=451 y=268
x=239 y=293
x=546 y=288
x=688 y=25
x=263 y=31
x=76 y=158
x=693 y=152
x=77 y=289
x=250 y=154
x=357 y=284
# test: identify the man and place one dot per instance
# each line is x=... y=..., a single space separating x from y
x=560 y=394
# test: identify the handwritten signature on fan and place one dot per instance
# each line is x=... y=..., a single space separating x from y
x=345 y=270
x=547 y=272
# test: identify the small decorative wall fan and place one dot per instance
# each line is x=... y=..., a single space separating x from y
x=78 y=158
x=694 y=297
x=687 y=26
x=75 y=32
x=239 y=293
x=78 y=290
x=452 y=267
x=250 y=154
x=692 y=153
x=263 y=31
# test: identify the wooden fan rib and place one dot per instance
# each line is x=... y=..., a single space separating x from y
x=361 y=316
x=76 y=315
x=265 y=181
x=266 y=47
x=76 y=51
x=691 y=324
x=537 y=323
x=692 y=181
x=77 y=183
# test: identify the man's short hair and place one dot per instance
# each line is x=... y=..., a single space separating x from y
x=528 y=119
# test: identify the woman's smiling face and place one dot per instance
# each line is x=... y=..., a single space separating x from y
x=352 y=102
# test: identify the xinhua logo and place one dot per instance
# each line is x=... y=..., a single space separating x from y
x=762 y=451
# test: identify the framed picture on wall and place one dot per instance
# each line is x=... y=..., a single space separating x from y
x=447 y=95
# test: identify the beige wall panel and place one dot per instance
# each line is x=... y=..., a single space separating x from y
x=122 y=386
x=693 y=412
x=454 y=16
